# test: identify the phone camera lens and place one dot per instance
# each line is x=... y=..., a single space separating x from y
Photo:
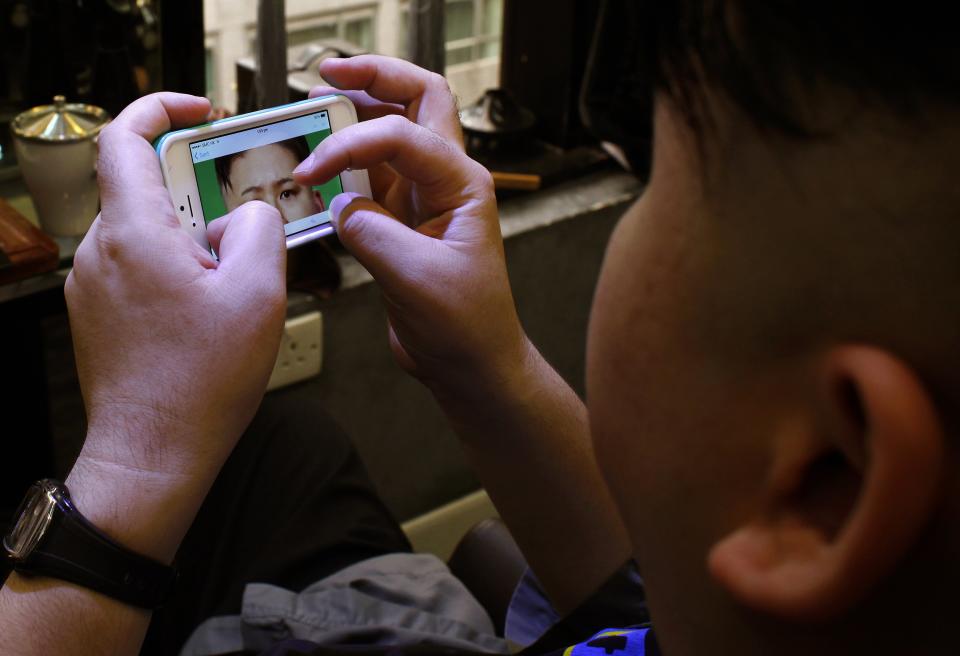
x=181 y=208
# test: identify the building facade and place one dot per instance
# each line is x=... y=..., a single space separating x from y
x=381 y=26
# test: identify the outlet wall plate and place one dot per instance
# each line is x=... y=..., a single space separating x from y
x=301 y=351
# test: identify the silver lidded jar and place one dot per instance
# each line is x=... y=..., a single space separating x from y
x=57 y=149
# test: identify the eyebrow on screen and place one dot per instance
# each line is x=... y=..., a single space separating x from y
x=256 y=188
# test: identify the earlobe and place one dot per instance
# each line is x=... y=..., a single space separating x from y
x=846 y=498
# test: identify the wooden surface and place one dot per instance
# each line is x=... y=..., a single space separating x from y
x=516 y=181
x=26 y=250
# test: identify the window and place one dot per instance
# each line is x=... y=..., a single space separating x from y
x=209 y=73
x=473 y=30
x=473 y=35
x=310 y=34
x=231 y=33
x=360 y=32
x=356 y=27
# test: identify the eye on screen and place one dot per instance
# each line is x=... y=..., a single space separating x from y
x=258 y=164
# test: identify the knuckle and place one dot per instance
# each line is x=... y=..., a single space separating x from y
x=445 y=148
x=70 y=286
x=485 y=184
x=439 y=82
x=107 y=133
x=108 y=159
x=156 y=98
x=334 y=141
x=111 y=247
x=441 y=86
x=81 y=261
x=396 y=123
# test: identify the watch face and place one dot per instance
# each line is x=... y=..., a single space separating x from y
x=32 y=519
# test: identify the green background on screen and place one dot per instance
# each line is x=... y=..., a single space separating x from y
x=212 y=200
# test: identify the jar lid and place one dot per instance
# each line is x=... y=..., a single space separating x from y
x=61 y=121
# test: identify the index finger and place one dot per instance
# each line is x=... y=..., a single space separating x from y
x=446 y=176
x=128 y=170
x=426 y=96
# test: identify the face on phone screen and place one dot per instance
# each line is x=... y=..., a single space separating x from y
x=258 y=164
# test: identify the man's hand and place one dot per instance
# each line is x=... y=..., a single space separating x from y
x=431 y=237
x=173 y=348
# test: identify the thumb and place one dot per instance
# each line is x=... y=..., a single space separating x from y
x=384 y=245
x=252 y=248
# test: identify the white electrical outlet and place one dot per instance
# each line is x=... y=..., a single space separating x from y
x=301 y=351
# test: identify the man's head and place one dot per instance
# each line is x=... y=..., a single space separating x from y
x=773 y=377
x=266 y=174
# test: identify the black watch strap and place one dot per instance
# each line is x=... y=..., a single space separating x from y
x=75 y=550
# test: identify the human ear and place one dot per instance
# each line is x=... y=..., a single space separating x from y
x=849 y=492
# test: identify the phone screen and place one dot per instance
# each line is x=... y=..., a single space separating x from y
x=257 y=164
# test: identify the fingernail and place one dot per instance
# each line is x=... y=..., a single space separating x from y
x=305 y=166
x=339 y=204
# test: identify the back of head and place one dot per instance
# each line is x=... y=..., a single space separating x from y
x=846 y=116
x=809 y=150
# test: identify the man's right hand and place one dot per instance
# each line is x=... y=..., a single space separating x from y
x=432 y=240
x=431 y=235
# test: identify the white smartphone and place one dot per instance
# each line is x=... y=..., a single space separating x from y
x=212 y=169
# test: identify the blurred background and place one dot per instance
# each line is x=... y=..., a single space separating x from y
x=471 y=37
x=109 y=52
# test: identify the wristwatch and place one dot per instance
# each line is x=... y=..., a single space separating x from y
x=51 y=538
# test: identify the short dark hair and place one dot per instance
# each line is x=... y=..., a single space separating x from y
x=297 y=145
x=760 y=52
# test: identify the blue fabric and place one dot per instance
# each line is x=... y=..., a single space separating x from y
x=618 y=642
x=620 y=601
x=530 y=614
